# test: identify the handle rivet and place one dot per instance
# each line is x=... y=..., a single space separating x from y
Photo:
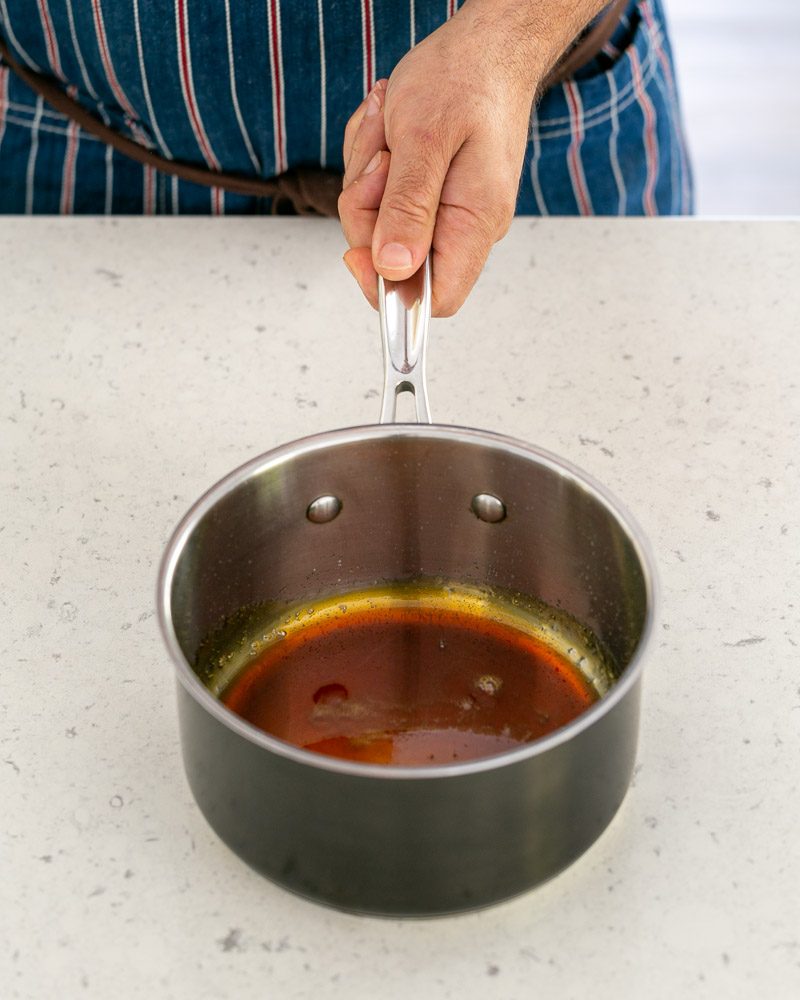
x=324 y=509
x=487 y=507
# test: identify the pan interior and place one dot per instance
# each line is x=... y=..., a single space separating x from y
x=405 y=511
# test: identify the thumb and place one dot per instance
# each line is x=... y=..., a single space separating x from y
x=407 y=215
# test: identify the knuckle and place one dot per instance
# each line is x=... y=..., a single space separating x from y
x=358 y=114
x=502 y=217
x=430 y=123
x=414 y=197
x=351 y=127
x=346 y=214
x=444 y=306
x=491 y=213
x=410 y=207
x=351 y=196
x=485 y=224
x=476 y=228
x=490 y=221
x=507 y=201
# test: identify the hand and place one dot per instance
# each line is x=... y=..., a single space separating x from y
x=454 y=115
x=433 y=155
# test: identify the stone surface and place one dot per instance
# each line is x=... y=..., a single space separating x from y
x=143 y=359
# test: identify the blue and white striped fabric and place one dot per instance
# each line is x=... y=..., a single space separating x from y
x=258 y=86
x=610 y=141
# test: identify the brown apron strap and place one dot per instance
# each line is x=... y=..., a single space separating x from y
x=309 y=190
x=589 y=46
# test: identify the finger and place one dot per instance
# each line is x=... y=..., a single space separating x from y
x=406 y=219
x=369 y=139
x=359 y=203
x=358 y=211
x=352 y=126
x=359 y=264
x=375 y=96
x=476 y=208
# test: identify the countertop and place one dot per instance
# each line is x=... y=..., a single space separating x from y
x=143 y=359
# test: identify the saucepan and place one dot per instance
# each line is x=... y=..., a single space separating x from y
x=397 y=502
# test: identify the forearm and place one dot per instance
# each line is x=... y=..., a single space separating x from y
x=530 y=34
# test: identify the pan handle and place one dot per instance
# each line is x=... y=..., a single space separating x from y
x=405 y=312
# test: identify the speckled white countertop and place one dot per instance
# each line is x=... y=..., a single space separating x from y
x=140 y=360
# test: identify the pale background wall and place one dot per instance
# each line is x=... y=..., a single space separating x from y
x=739 y=71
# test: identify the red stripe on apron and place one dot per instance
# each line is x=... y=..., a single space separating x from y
x=187 y=84
x=368 y=42
x=655 y=33
x=3 y=99
x=276 y=59
x=68 y=172
x=148 y=195
x=574 y=163
x=650 y=142
x=108 y=66
x=50 y=38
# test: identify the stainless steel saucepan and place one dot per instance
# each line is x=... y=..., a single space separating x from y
x=344 y=509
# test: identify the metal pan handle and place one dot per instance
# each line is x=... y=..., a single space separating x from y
x=405 y=312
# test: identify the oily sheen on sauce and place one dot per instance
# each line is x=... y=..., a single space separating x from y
x=389 y=679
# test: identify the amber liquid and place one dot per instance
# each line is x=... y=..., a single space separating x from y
x=408 y=685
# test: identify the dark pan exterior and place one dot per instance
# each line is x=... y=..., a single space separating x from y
x=409 y=847
x=408 y=840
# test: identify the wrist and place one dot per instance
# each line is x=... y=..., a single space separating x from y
x=530 y=36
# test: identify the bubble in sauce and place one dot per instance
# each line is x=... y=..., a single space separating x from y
x=330 y=694
x=489 y=683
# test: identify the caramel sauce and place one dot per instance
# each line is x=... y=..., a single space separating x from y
x=407 y=683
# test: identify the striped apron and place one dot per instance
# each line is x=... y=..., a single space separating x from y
x=255 y=88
